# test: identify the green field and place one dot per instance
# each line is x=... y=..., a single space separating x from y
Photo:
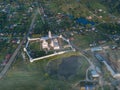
x=82 y=41
x=24 y=75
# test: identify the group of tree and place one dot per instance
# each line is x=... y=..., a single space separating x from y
x=110 y=28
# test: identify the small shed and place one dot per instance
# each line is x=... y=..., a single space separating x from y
x=96 y=49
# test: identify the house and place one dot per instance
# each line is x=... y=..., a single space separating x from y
x=100 y=10
x=18 y=42
x=7 y=57
x=89 y=17
x=94 y=74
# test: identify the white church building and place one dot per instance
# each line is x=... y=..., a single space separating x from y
x=50 y=42
x=53 y=42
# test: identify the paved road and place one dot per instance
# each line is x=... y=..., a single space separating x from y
x=82 y=53
x=32 y=23
x=92 y=66
x=7 y=66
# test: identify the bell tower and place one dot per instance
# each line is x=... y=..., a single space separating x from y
x=49 y=34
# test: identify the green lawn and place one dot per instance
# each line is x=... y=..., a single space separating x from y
x=29 y=76
x=24 y=75
x=82 y=41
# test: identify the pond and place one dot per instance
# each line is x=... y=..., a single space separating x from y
x=66 y=67
x=84 y=21
x=81 y=20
